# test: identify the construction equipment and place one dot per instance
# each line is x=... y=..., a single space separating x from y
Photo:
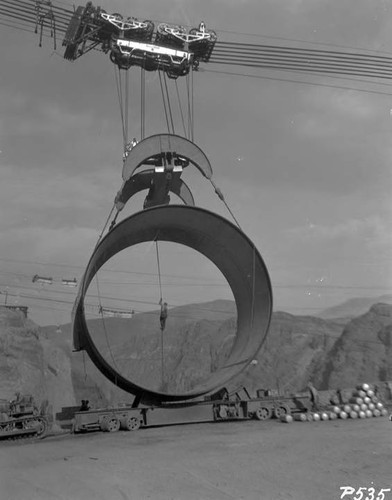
x=277 y=405
x=220 y=406
x=20 y=418
x=131 y=42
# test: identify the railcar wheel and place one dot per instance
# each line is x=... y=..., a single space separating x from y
x=280 y=411
x=113 y=424
x=263 y=413
x=130 y=424
x=110 y=424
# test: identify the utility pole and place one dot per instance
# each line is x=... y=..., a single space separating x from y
x=6 y=297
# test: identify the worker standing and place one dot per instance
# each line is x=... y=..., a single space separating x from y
x=163 y=315
x=314 y=396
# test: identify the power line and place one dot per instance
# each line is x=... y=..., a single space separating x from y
x=209 y=284
x=321 y=334
x=118 y=299
x=172 y=276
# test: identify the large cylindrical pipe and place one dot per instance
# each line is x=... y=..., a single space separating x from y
x=222 y=243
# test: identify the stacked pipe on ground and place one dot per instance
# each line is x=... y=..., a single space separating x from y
x=363 y=403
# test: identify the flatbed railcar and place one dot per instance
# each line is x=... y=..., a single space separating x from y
x=219 y=407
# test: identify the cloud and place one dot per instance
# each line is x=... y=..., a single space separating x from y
x=305 y=151
x=43 y=244
x=372 y=228
x=328 y=112
x=45 y=119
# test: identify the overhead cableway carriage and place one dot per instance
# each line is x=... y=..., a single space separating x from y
x=131 y=42
x=157 y=163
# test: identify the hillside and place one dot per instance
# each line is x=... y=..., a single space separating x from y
x=354 y=307
x=363 y=351
x=31 y=363
x=197 y=339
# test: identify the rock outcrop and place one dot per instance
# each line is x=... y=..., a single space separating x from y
x=363 y=351
x=196 y=341
x=31 y=364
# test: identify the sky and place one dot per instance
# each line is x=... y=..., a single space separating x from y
x=304 y=164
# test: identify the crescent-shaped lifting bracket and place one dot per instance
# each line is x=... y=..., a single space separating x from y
x=163 y=149
x=158 y=185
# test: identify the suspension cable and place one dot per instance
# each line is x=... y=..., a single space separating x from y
x=192 y=106
x=159 y=271
x=104 y=328
x=105 y=225
x=181 y=112
x=168 y=102
x=120 y=101
x=164 y=101
x=189 y=106
x=221 y=197
x=161 y=304
x=142 y=102
x=126 y=127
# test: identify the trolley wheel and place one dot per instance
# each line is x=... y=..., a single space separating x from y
x=161 y=28
x=213 y=36
x=280 y=411
x=150 y=27
x=263 y=413
x=130 y=423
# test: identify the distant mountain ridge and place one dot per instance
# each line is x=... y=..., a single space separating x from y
x=198 y=338
x=354 y=307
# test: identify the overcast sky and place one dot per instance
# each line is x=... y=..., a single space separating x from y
x=305 y=168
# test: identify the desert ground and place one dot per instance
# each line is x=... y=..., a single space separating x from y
x=248 y=460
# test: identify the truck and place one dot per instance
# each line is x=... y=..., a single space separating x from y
x=220 y=406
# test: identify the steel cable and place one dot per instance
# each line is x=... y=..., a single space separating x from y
x=35 y=7
x=168 y=102
x=28 y=13
x=298 y=59
x=282 y=67
x=164 y=101
x=181 y=111
x=303 y=82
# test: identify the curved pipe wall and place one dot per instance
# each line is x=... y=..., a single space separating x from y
x=223 y=244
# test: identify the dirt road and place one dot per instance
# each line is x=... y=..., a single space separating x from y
x=216 y=461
